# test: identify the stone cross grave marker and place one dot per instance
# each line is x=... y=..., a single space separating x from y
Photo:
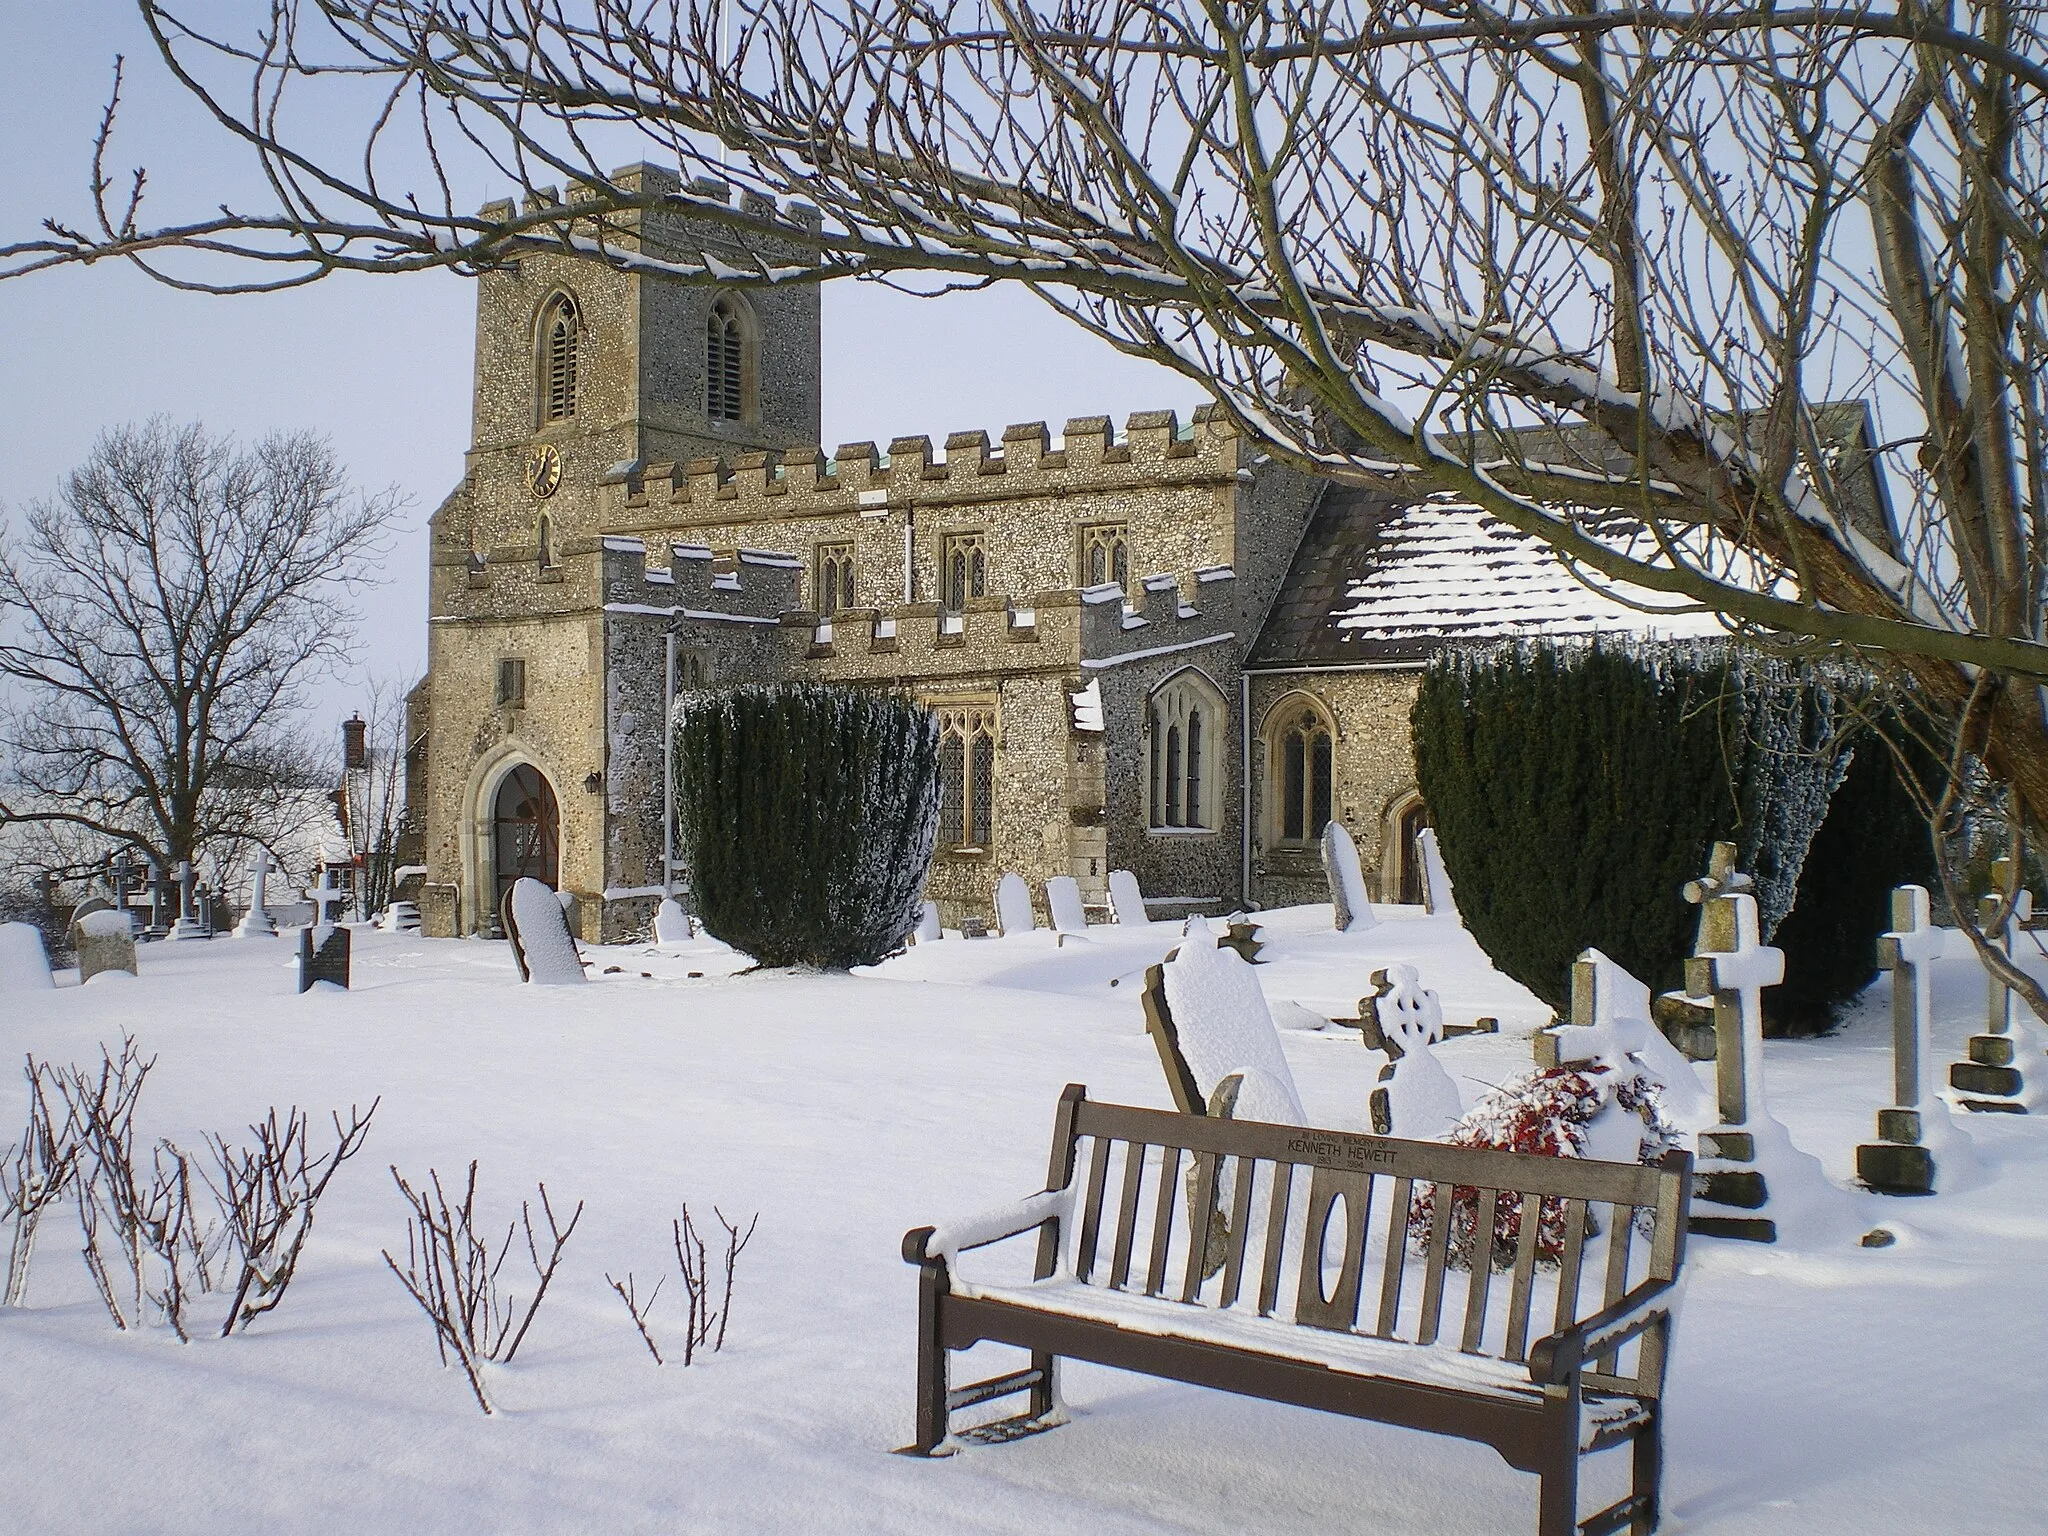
x=1733 y=966
x=1897 y=1163
x=1991 y=1079
x=188 y=925
x=326 y=897
x=329 y=962
x=1414 y=1097
x=257 y=921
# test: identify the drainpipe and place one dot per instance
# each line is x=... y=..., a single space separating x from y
x=668 y=766
x=909 y=552
x=1244 y=785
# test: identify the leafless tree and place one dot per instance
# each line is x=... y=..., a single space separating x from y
x=36 y=1174
x=1599 y=269
x=374 y=809
x=268 y=1194
x=452 y=1273
x=163 y=615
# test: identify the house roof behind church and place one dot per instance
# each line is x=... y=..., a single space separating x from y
x=1379 y=579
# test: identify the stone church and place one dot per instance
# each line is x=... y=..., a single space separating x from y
x=1148 y=648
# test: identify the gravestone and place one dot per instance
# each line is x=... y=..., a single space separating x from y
x=972 y=927
x=1415 y=1098
x=188 y=925
x=1733 y=966
x=323 y=955
x=1352 y=911
x=1126 y=900
x=1208 y=1017
x=24 y=967
x=1991 y=1079
x=326 y=896
x=1899 y=1162
x=929 y=930
x=1612 y=1020
x=103 y=941
x=672 y=923
x=1013 y=906
x=1437 y=895
x=1063 y=902
x=538 y=927
x=257 y=921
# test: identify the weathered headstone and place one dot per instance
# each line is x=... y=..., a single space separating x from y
x=1899 y=1162
x=1126 y=900
x=1415 y=1097
x=24 y=966
x=1611 y=1020
x=1216 y=1023
x=1733 y=966
x=1063 y=903
x=672 y=923
x=1013 y=906
x=973 y=927
x=929 y=929
x=538 y=927
x=1991 y=1079
x=257 y=921
x=1437 y=896
x=188 y=925
x=1352 y=911
x=323 y=955
x=103 y=941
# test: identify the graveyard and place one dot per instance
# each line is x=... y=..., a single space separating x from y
x=1873 y=1368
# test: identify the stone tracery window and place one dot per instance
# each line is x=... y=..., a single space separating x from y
x=1299 y=785
x=727 y=364
x=560 y=344
x=1185 y=726
x=967 y=767
x=963 y=570
x=832 y=585
x=1106 y=555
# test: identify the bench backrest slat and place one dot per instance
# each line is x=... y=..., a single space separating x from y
x=1482 y=1274
x=1332 y=1224
x=1516 y=1345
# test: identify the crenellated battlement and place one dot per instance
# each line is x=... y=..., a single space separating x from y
x=1154 y=449
x=680 y=199
x=749 y=585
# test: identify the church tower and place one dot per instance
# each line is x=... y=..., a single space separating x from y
x=586 y=371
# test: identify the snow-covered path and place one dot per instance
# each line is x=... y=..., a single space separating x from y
x=1837 y=1389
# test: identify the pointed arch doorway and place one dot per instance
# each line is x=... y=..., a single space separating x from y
x=526 y=832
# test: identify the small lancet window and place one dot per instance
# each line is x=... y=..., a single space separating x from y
x=560 y=338
x=725 y=362
x=546 y=540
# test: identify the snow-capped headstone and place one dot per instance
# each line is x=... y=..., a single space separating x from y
x=1903 y=1160
x=1126 y=900
x=929 y=929
x=103 y=941
x=1352 y=911
x=671 y=922
x=1415 y=1098
x=257 y=921
x=24 y=966
x=1216 y=1022
x=539 y=931
x=188 y=925
x=1013 y=906
x=1437 y=896
x=323 y=955
x=1063 y=902
x=1992 y=1078
x=326 y=896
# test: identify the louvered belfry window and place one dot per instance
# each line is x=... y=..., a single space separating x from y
x=559 y=344
x=724 y=363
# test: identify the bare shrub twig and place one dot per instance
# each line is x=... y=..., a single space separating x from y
x=34 y=1176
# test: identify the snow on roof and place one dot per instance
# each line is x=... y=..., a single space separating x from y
x=1088 y=706
x=1379 y=580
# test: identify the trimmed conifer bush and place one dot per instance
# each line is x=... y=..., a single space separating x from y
x=1574 y=792
x=808 y=813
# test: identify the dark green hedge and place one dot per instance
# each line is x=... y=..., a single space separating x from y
x=807 y=813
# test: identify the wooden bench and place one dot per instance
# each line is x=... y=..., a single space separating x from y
x=1379 y=1323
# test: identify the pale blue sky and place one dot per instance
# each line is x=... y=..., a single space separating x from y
x=382 y=365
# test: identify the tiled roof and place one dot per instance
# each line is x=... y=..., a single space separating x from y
x=1382 y=579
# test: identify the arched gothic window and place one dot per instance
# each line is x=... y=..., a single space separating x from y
x=1300 y=754
x=560 y=343
x=726 y=363
x=1186 y=721
x=963 y=570
x=967 y=774
x=1106 y=555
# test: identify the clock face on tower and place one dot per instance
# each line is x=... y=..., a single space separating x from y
x=544 y=470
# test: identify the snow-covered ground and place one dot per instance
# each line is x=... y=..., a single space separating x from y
x=1814 y=1389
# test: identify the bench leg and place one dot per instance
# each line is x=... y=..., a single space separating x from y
x=1558 y=1509
x=932 y=1415
x=1045 y=1395
x=1647 y=1452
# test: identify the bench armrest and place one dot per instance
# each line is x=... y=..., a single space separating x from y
x=1555 y=1359
x=953 y=1238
